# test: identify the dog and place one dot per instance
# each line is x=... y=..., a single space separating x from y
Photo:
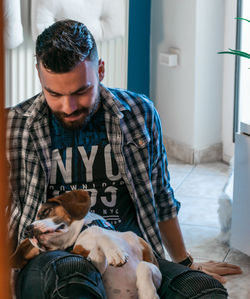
x=126 y=262
x=225 y=202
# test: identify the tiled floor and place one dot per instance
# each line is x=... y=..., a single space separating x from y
x=198 y=189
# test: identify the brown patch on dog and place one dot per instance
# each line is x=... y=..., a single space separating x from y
x=61 y=214
x=76 y=203
x=52 y=210
x=147 y=252
x=78 y=249
x=24 y=252
x=46 y=210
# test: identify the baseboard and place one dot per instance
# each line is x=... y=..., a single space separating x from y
x=190 y=155
x=226 y=158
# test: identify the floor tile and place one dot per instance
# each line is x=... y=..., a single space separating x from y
x=202 y=242
x=198 y=188
x=238 y=286
x=199 y=211
x=173 y=160
x=202 y=185
x=215 y=168
x=177 y=165
x=177 y=178
x=235 y=256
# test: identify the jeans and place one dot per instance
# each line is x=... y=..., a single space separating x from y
x=180 y=282
x=61 y=275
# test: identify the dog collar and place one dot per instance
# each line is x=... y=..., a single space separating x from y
x=99 y=222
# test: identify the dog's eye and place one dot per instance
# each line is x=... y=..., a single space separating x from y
x=44 y=213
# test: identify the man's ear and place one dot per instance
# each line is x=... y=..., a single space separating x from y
x=101 y=69
x=38 y=70
x=76 y=203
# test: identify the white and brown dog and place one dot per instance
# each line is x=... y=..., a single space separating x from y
x=128 y=266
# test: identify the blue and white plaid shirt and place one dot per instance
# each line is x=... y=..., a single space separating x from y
x=134 y=132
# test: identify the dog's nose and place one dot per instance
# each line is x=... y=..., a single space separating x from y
x=29 y=231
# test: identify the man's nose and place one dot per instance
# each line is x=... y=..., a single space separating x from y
x=29 y=231
x=69 y=104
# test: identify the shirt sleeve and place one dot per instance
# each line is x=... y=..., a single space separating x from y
x=166 y=204
x=13 y=209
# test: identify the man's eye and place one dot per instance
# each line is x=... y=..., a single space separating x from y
x=55 y=95
x=82 y=92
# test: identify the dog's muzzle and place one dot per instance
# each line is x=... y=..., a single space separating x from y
x=33 y=230
x=29 y=231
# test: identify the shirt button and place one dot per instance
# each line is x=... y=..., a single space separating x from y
x=141 y=142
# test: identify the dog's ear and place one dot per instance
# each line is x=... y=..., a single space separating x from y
x=24 y=252
x=76 y=203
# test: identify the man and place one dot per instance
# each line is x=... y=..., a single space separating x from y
x=79 y=134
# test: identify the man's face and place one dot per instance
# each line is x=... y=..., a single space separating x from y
x=73 y=96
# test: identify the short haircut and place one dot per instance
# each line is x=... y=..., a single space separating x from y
x=64 y=44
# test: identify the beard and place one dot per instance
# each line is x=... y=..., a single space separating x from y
x=87 y=113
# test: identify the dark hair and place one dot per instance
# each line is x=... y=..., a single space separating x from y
x=64 y=44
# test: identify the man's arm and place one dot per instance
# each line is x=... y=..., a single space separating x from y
x=168 y=206
x=173 y=241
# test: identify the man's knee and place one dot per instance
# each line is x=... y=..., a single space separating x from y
x=56 y=272
x=195 y=284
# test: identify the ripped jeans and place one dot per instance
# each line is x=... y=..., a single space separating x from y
x=61 y=275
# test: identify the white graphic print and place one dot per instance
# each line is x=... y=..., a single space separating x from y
x=96 y=172
x=108 y=164
x=65 y=171
x=88 y=163
x=113 y=192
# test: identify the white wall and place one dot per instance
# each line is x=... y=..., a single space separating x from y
x=172 y=89
x=188 y=97
x=208 y=72
x=228 y=80
x=21 y=75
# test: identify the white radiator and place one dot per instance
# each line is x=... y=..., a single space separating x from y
x=21 y=80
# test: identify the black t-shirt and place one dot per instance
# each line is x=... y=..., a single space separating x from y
x=83 y=159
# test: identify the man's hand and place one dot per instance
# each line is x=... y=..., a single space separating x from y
x=217 y=269
x=172 y=239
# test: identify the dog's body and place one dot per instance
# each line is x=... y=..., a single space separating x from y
x=126 y=262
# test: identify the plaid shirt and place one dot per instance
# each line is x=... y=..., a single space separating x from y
x=134 y=132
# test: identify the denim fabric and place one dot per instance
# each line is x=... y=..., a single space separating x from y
x=180 y=282
x=59 y=274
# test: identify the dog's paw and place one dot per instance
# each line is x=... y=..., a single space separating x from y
x=148 y=295
x=116 y=257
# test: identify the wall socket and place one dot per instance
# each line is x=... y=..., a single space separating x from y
x=171 y=58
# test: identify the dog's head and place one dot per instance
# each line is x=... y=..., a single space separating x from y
x=57 y=219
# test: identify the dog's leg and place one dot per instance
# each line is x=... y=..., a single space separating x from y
x=147 y=252
x=24 y=252
x=148 y=280
x=103 y=242
x=96 y=256
x=148 y=274
x=112 y=250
